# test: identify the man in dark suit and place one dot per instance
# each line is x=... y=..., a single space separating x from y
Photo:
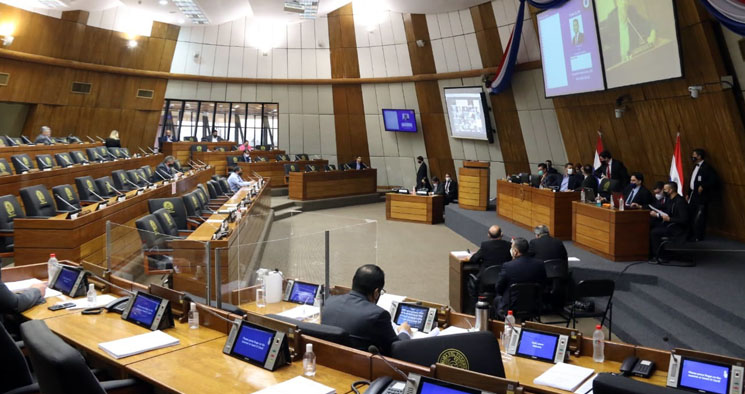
x=545 y=247
x=548 y=179
x=245 y=157
x=437 y=187
x=636 y=195
x=702 y=188
x=45 y=137
x=422 y=173
x=588 y=179
x=550 y=167
x=357 y=312
x=522 y=269
x=165 y=168
x=357 y=164
x=613 y=170
x=424 y=186
x=659 y=197
x=673 y=222
x=214 y=137
x=578 y=37
x=494 y=251
x=570 y=181
x=166 y=137
x=18 y=302
x=451 y=189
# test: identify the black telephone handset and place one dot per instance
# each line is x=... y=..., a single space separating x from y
x=634 y=366
x=386 y=385
x=118 y=305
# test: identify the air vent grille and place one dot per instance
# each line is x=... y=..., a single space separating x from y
x=4 y=79
x=81 y=87
x=144 y=93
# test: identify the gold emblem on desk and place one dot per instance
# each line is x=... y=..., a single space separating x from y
x=9 y=209
x=453 y=358
x=40 y=197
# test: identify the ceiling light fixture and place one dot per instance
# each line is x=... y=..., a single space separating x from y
x=132 y=43
x=191 y=10
x=163 y=2
x=52 y=3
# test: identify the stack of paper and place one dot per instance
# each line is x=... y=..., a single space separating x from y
x=138 y=344
x=461 y=254
x=454 y=330
x=301 y=312
x=101 y=300
x=25 y=284
x=564 y=376
x=296 y=385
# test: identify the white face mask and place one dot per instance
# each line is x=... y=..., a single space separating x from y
x=570 y=171
x=659 y=196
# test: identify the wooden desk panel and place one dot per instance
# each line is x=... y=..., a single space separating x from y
x=11 y=184
x=276 y=169
x=317 y=185
x=529 y=207
x=85 y=237
x=473 y=186
x=205 y=369
x=615 y=235
x=182 y=150
x=87 y=331
x=32 y=150
x=458 y=271
x=269 y=154
x=217 y=159
x=414 y=208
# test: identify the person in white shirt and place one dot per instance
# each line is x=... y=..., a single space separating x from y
x=235 y=181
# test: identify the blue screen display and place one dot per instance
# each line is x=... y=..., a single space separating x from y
x=253 y=343
x=537 y=345
x=430 y=388
x=399 y=120
x=144 y=310
x=65 y=280
x=303 y=293
x=711 y=378
x=415 y=316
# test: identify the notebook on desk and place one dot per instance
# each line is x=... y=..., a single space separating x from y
x=137 y=344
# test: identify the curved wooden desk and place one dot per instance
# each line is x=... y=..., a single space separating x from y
x=276 y=169
x=328 y=184
x=32 y=150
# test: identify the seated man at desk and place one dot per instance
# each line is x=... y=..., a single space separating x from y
x=357 y=312
x=357 y=164
x=570 y=181
x=548 y=179
x=522 y=269
x=672 y=222
x=166 y=137
x=589 y=180
x=636 y=195
x=214 y=137
x=545 y=247
x=659 y=200
x=451 y=189
x=235 y=181
x=493 y=251
x=424 y=186
x=437 y=187
x=165 y=168
x=45 y=137
x=18 y=302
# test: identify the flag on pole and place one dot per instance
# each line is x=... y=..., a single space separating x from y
x=598 y=149
x=504 y=71
x=676 y=167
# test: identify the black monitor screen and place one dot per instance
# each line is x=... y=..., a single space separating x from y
x=704 y=376
x=303 y=293
x=253 y=343
x=66 y=280
x=415 y=315
x=144 y=309
x=433 y=386
x=537 y=345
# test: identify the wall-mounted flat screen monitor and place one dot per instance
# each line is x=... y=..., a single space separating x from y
x=399 y=120
x=569 y=49
x=639 y=41
x=467 y=113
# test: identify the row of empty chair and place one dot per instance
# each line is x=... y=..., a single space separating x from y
x=23 y=140
x=23 y=163
x=233 y=160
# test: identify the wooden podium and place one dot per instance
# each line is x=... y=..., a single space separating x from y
x=614 y=234
x=473 y=185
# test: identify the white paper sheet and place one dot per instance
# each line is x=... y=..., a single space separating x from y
x=564 y=376
x=586 y=387
x=573 y=259
x=386 y=300
x=137 y=344
x=25 y=284
x=461 y=254
x=301 y=312
x=82 y=303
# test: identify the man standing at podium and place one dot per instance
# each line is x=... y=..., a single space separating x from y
x=451 y=189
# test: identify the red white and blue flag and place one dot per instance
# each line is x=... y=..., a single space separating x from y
x=730 y=13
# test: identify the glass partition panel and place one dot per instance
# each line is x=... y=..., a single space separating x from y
x=222 y=120
x=189 y=120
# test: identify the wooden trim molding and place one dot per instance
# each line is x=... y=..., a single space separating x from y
x=52 y=61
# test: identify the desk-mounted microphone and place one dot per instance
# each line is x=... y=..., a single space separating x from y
x=74 y=208
x=376 y=352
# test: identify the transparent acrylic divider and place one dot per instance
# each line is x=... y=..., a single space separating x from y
x=141 y=257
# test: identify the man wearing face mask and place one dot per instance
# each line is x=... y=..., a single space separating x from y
x=165 y=168
x=613 y=170
x=636 y=195
x=570 y=181
x=522 y=269
x=451 y=189
x=357 y=312
x=673 y=222
x=701 y=189
x=550 y=167
x=659 y=197
x=547 y=179
x=589 y=180
x=421 y=173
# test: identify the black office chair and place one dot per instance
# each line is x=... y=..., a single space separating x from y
x=22 y=163
x=10 y=210
x=261 y=159
x=586 y=292
x=224 y=186
x=311 y=168
x=176 y=208
x=219 y=149
x=326 y=332
x=9 y=141
x=177 y=165
x=94 y=155
x=116 y=151
x=38 y=202
x=475 y=351
x=329 y=167
x=234 y=160
x=190 y=139
x=44 y=162
x=524 y=300
x=487 y=281
x=15 y=376
x=192 y=205
x=5 y=167
x=120 y=181
x=150 y=174
x=87 y=189
x=104 y=153
x=78 y=157
x=215 y=191
x=155 y=246
x=66 y=193
x=198 y=148
x=168 y=223
x=263 y=147
x=106 y=187
x=59 y=368
x=283 y=158
x=124 y=152
x=204 y=201
x=63 y=159
x=557 y=291
x=135 y=177
x=292 y=168
x=302 y=156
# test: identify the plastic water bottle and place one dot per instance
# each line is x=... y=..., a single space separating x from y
x=91 y=295
x=193 y=316
x=309 y=361
x=582 y=195
x=621 y=204
x=509 y=326
x=482 y=315
x=598 y=344
x=52 y=266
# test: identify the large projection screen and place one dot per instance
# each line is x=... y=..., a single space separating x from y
x=569 y=49
x=639 y=41
x=466 y=112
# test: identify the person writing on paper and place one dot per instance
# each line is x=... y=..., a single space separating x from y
x=45 y=137
x=636 y=195
x=673 y=220
x=659 y=197
x=357 y=312
x=235 y=181
x=424 y=186
x=20 y=301
x=437 y=187
x=522 y=269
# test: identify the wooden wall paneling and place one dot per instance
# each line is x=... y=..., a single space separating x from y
x=95 y=45
x=422 y=59
x=507 y=122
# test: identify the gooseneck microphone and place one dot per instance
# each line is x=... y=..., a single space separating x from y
x=376 y=352
x=74 y=208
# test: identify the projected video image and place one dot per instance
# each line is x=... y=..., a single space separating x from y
x=639 y=41
x=569 y=49
x=466 y=113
